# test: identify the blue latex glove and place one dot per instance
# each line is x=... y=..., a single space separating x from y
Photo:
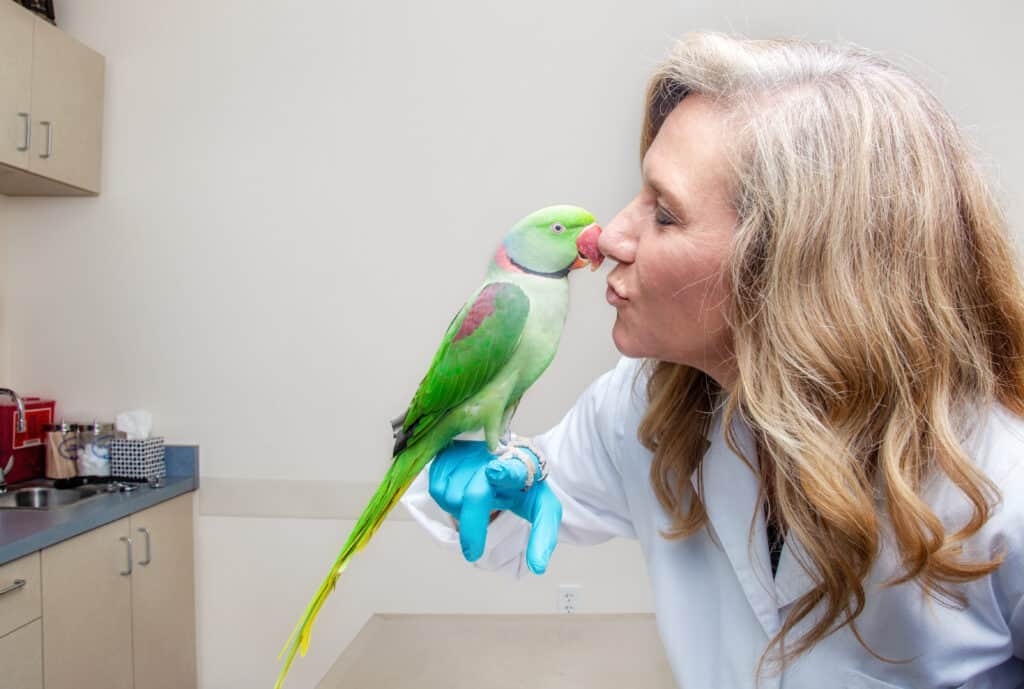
x=469 y=483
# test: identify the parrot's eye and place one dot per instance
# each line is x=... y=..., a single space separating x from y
x=558 y=227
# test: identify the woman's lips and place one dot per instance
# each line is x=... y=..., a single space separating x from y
x=613 y=297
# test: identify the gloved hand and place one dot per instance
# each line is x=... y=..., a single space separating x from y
x=469 y=483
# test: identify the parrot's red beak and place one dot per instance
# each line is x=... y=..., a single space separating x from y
x=586 y=243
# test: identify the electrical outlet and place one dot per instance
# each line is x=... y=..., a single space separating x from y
x=569 y=598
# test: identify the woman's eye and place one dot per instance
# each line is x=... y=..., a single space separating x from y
x=662 y=217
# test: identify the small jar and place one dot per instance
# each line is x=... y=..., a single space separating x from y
x=61 y=450
x=94 y=448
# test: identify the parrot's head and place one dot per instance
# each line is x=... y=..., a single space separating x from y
x=554 y=240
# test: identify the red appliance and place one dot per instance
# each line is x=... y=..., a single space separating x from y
x=28 y=448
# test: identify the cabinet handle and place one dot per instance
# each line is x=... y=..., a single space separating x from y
x=18 y=584
x=28 y=131
x=128 y=542
x=49 y=138
x=149 y=554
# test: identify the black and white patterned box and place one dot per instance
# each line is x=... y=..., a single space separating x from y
x=141 y=459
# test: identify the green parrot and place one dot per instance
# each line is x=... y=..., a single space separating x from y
x=497 y=345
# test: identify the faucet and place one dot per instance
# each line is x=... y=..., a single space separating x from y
x=21 y=407
x=20 y=427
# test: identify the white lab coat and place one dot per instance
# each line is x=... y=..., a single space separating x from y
x=716 y=602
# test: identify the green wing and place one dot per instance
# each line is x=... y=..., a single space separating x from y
x=479 y=342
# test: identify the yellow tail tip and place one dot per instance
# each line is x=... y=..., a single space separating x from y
x=301 y=634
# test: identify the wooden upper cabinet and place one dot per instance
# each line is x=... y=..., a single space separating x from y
x=67 y=109
x=62 y=98
x=16 y=26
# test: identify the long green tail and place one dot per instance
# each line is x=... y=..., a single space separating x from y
x=404 y=469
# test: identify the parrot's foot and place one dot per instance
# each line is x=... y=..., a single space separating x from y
x=505 y=441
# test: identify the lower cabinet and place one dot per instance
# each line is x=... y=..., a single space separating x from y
x=21 y=640
x=21 y=658
x=87 y=610
x=163 y=596
x=118 y=603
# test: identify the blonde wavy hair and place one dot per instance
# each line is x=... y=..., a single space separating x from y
x=874 y=301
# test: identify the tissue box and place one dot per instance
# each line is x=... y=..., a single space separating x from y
x=140 y=459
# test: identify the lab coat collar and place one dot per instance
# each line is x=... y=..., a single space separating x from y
x=791 y=581
x=730 y=499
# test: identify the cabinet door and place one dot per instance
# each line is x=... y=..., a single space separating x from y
x=163 y=596
x=87 y=635
x=21 y=658
x=15 y=80
x=19 y=593
x=67 y=108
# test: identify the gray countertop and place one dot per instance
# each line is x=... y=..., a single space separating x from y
x=26 y=531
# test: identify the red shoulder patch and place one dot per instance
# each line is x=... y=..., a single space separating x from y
x=481 y=309
x=502 y=259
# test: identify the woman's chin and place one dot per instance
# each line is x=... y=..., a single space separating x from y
x=627 y=345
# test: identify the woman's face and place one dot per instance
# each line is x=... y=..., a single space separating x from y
x=671 y=244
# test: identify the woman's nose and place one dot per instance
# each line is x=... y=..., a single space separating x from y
x=618 y=240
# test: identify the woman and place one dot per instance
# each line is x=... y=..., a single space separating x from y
x=816 y=432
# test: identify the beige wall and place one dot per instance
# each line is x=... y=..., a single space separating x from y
x=297 y=196
x=4 y=334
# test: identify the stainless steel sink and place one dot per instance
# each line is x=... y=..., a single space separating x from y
x=44 y=497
